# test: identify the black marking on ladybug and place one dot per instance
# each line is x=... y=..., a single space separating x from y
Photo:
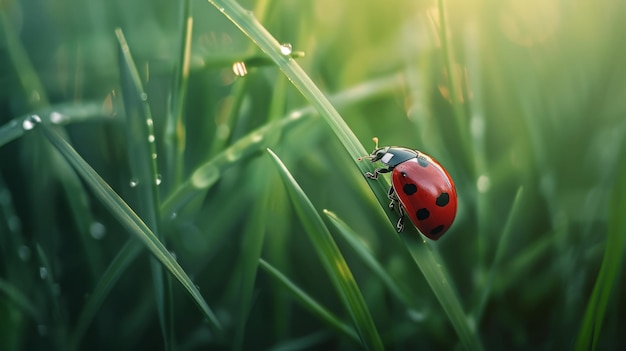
x=403 y=174
x=422 y=161
x=409 y=189
x=437 y=230
x=422 y=214
x=443 y=200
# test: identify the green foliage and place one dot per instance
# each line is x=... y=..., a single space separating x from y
x=139 y=208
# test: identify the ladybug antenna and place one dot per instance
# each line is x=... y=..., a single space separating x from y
x=375 y=139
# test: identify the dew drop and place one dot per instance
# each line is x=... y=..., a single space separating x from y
x=31 y=122
x=97 y=230
x=151 y=138
x=295 y=115
x=483 y=183
x=149 y=122
x=134 y=182
x=286 y=48
x=24 y=253
x=144 y=97
x=256 y=138
x=158 y=179
x=56 y=117
x=174 y=255
x=43 y=272
x=205 y=176
x=233 y=154
x=239 y=68
x=173 y=215
x=154 y=156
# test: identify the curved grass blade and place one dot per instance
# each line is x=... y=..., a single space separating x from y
x=109 y=278
x=612 y=264
x=332 y=260
x=368 y=258
x=143 y=166
x=129 y=219
x=310 y=303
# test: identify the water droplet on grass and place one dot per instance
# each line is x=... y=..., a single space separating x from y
x=205 y=176
x=286 y=48
x=56 y=117
x=158 y=179
x=97 y=230
x=31 y=122
x=151 y=138
x=134 y=182
x=43 y=272
x=24 y=253
x=239 y=68
x=483 y=183
x=144 y=97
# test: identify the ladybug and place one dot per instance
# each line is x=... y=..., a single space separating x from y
x=420 y=187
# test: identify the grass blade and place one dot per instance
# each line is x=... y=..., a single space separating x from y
x=612 y=264
x=332 y=260
x=109 y=278
x=310 y=303
x=129 y=219
x=368 y=258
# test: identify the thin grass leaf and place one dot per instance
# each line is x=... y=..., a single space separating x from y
x=174 y=134
x=19 y=300
x=612 y=264
x=310 y=303
x=332 y=260
x=109 y=279
x=368 y=259
x=514 y=214
x=308 y=342
x=143 y=166
x=129 y=219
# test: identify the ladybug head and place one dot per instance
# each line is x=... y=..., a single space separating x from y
x=377 y=154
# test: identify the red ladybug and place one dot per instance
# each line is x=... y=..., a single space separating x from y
x=421 y=186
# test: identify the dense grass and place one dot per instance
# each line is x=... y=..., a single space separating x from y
x=152 y=196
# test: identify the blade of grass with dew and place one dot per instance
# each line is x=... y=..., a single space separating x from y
x=310 y=303
x=129 y=219
x=61 y=114
x=174 y=134
x=109 y=278
x=421 y=252
x=487 y=287
x=143 y=167
x=612 y=263
x=58 y=315
x=207 y=174
x=332 y=260
x=368 y=258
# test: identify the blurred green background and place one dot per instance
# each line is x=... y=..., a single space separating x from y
x=522 y=101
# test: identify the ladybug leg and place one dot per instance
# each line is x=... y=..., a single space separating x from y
x=378 y=171
x=395 y=202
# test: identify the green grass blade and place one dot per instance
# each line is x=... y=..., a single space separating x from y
x=332 y=260
x=612 y=264
x=310 y=303
x=502 y=246
x=368 y=258
x=174 y=134
x=109 y=278
x=129 y=219
x=143 y=166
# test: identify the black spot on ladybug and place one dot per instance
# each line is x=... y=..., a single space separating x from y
x=422 y=214
x=437 y=230
x=403 y=174
x=443 y=199
x=409 y=189
x=422 y=161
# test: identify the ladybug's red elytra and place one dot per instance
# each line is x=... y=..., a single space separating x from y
x=420 y=187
